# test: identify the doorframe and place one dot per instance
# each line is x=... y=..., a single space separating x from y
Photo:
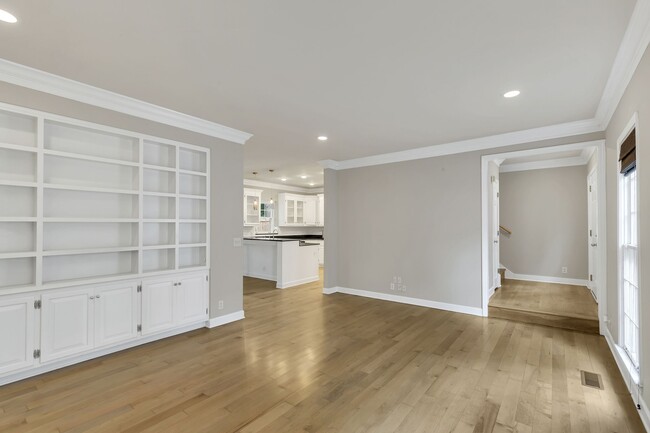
x=599 y=145
x=590 y=284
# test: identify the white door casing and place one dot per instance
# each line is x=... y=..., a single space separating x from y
x=592 y=226
x=495 y=233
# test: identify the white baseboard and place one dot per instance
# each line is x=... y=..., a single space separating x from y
x=298 y=282
x=406 y=300
x=628 y=378
x=545 y=279
x=55 y=365
x=269 y=277
x=223 y=320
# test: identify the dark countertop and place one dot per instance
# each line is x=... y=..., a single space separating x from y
x=302 y=243
x=289 y=238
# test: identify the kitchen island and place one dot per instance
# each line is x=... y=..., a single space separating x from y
x=289 y=262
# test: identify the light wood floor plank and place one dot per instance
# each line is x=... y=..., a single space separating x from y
x=302 y=362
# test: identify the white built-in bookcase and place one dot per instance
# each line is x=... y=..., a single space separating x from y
x=84 y=203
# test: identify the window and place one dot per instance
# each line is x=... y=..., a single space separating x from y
x=629 y=284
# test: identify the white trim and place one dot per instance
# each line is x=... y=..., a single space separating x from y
x=634 y=44
x=511 y=138
x=630 y=377
x=224 y=320
x=44 y=368
x=298 y=282
x=539 y=165
x=269 y=185
x=42 y=81
x=546 y=279
x=406 y=300
x=261 y=276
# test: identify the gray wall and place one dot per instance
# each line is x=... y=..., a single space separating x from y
x=420 y=220
x=635 y=99
x=226 y=171
x=546 y=210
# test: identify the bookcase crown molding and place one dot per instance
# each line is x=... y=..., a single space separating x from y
x=35 y=79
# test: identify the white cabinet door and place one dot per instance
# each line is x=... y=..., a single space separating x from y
x=157 y=305
x=16 y=333
x=66 y=323
x=310 y=210
x=320 y=219
x=192 y=299
x=116 y=313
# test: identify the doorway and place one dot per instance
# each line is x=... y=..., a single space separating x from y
x=537 y=289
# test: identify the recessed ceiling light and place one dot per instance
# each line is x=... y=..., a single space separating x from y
x=284 y=179
x=303 y=176
x=7 y=17
x=311 y=183
x=511 y=94
x=322 y=138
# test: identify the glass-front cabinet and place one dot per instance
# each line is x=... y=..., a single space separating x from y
x=252 y=206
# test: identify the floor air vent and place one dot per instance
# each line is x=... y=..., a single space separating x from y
x=590 y=379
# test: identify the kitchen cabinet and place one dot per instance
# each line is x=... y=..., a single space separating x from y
x=297 y=210
x=252 y=206
x=320 y=210
x=16 y=333
x=191 y=299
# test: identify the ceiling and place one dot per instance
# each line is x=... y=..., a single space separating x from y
x=375 y=76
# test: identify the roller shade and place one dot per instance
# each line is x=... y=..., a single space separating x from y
x=627 y=157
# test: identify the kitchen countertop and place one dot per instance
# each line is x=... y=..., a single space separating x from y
x=301 y=241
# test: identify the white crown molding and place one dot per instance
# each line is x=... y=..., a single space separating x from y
x=550 y=163
x=491 y=142
x=405 y=300
x=42 y=81
x=633 y=46
x=289 y=188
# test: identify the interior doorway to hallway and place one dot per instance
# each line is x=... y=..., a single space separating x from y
x=542 y=259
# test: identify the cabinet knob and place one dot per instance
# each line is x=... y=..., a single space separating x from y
x=92 y=297
x=98 y=296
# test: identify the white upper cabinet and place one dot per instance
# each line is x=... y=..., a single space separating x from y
x=297 y=210
x=320 y=210
x=16 y=333
x=252 y=206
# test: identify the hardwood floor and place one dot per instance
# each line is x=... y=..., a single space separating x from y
x=557 y=305
x=303 y=362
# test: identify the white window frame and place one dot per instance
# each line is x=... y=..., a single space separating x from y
x=622 y=247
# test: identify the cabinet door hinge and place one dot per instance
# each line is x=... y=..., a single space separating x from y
x=591 y=277
x=139 y=288
x=206 y=311
x=37 y=353
x=37 y=305
x=206 y=278
x=139 y=328
x=589 y=188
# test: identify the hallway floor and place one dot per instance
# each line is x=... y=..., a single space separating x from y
x=558 y=305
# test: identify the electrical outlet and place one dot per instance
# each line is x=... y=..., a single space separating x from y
x=565 y=270
x=221 y=305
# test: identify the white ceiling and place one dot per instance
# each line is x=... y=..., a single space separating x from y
x=376 y=76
